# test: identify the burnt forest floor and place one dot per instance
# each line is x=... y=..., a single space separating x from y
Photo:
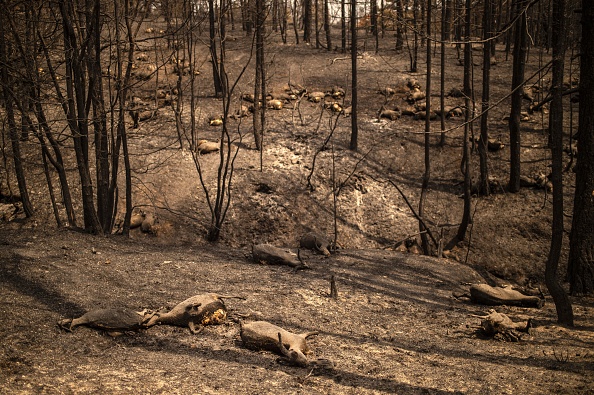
x=396 y=326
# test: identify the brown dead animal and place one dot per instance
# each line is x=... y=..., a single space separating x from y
x=295 y=89
x=539 y=181
x=446 y=111
x=145 y=71
x=262 y=335
x=316 y=97
x=415 y=95
x=215 y=121
x=204 y=309
x=500 y=326
x=249 y=97
x=315 y=242
x=412 y=84
x=141 y=116
x=387 y=91
x=266 y=253
x=456 y=92
x=456 y=112
x=409 y=110
x=493 y=296
x=143 y=57
x=113 y=321
x=392 y=115
x=206 y=147
x=530 y=93
x=493 y=145
x=275 y=104
x=148 y=223
x=333 y=106
x=136 y=219
x=337 y=92
x=423 y=115
x=283 y=96
x=243 y=111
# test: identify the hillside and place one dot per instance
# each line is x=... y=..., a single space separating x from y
x=396 y=326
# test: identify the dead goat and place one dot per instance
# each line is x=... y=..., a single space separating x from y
x=415 y=95
x=113 y=321
x=269 y=254
x=392 y=115
x=316 y=97
x=206 y=147
x=204 y=309
x=262 y=335
x=315 y=242
x=499 y=326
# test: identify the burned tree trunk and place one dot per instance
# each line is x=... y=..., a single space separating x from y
x=354 y=123
x=562 y=302
x=484 y=188
x=581 y=253
x=519 y=65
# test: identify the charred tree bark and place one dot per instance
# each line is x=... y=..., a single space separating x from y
x=354 y=124
x=374 y=23
x=484 y=188
x=295 y=23
x=283 y=20
x=581 y=253
x=105 y=201
x=122 y=136
x=414 y=54
x=57 y=161
x=442 y=73
x=260 y=78
x=216 y=72
x=12 y=128
x=399 y=25
x=562 y=302
x=343 y=29
x=447 y=29
x=317 y=21
x=519 y=63
x=306 y=21
x=327 y=28
x=427 y=175
x=76 y=80
x=465 y=165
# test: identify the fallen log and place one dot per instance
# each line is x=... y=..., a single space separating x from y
x=494 y=296
x=266 y=253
